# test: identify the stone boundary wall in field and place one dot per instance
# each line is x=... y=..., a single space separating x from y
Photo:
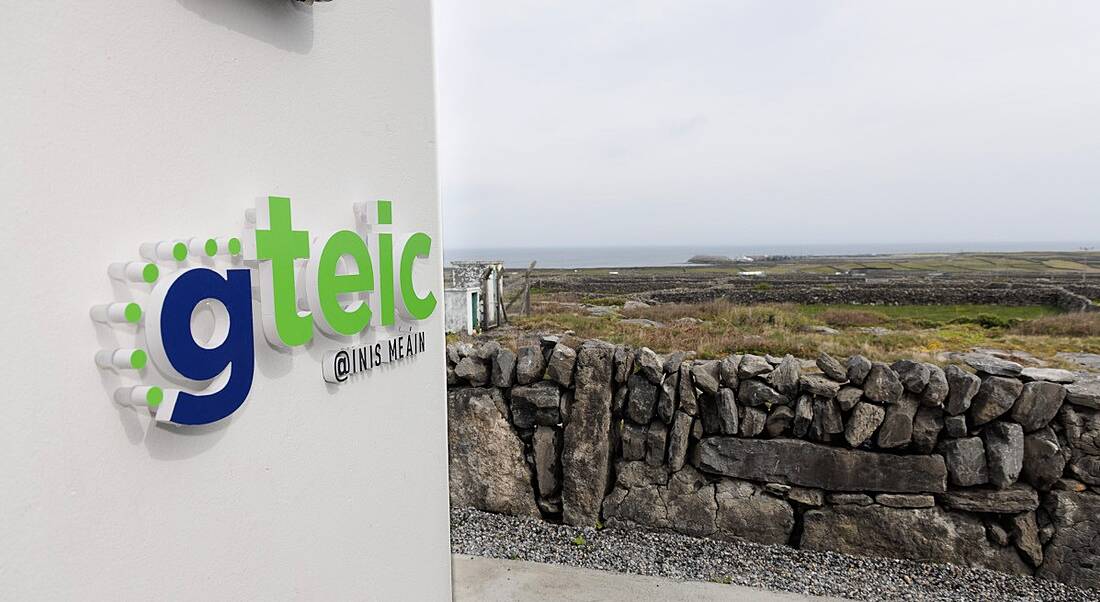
x=984 y=464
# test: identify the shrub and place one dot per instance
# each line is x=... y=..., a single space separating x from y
x=986 y=321
x=1064 y=325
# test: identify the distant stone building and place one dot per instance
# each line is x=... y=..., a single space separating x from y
x=474 y=301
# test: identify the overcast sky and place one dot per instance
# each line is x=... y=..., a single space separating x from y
x=640 y=122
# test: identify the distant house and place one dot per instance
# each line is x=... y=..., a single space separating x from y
x=474 y=301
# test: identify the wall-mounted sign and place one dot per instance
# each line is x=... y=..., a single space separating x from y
x=341 y=273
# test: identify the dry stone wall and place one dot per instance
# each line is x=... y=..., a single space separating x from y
x=984 y=464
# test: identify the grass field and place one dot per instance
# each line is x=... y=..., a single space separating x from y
x=1069 y=262
x=882 y=333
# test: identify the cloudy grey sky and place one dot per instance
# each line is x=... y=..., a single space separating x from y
x=717 y=122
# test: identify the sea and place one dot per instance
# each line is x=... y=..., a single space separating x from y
x=665 y=256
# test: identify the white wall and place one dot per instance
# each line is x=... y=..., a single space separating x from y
x=125 y=121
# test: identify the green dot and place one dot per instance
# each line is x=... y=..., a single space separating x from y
x=179 y=251
x=138 y=359
x=211 y=247
x=154 y=396
x=150 y=273
x=133 y=312
x=235 y=246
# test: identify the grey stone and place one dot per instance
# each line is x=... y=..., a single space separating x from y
x=1004 y=452
x=927 y=425
x=1090 y=361
x=756 y=393
x=991 y=365
x=1086 y=468
x=848 y=397
x=666 y=397
x=746 y=512
x=560 y=366
x=550 y=505
x=856 y=499
x=963 y=387
x=656 y=440
x=1054 y=375
x=458 y=350
x=1025 y=534
x=882 y=384
x=1072 y=556
x=997 y=533
x=863 y=422
x=649 y=497
x=803 y=416
x=504 y=368
x=832 y=422
x=640 y=497
x=565 y=406
x=995 y=397
x=1037 y=404
x=858 y=369
x=673 y=361
x=753 y=365
x=808 y=464
x=785 y=376
x=546 y=443
x=831 y=367
x=642 y=403
x=752 y=421
x=1082 y=429
x=539 y=403
x=897 y=425
x=727 y=371
x=905 y=500
x=1044 y=461
x=777 y=489
x=913 y=375
x=815 y=498
x=965 y=460
x=1084 y=393
x=922 y=534
x=819 y=385
x=708 y=414
x=706 y=376
x=955 y=426
x=691 y=503
x=1070 y=485
x=624 y=363
x=632 y=438
x=678 y=439
x=779 y=420
x=686 y=390
x=473 y=371
x=486 y=350
x=530 y=364
x=487 y=469
x=649 y=364
x=452 y=378
x=936 y=392
x=727 y=412
x=1015 y=499
x=586 y=449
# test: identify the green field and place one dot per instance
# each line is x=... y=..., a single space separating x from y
x=882 y=333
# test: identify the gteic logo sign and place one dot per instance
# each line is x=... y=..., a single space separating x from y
x=215 y=376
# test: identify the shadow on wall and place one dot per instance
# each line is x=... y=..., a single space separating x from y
x=285 y=24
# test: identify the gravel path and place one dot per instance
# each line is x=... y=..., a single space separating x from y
x=772 y=567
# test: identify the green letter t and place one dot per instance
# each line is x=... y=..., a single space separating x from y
x=282 y=246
